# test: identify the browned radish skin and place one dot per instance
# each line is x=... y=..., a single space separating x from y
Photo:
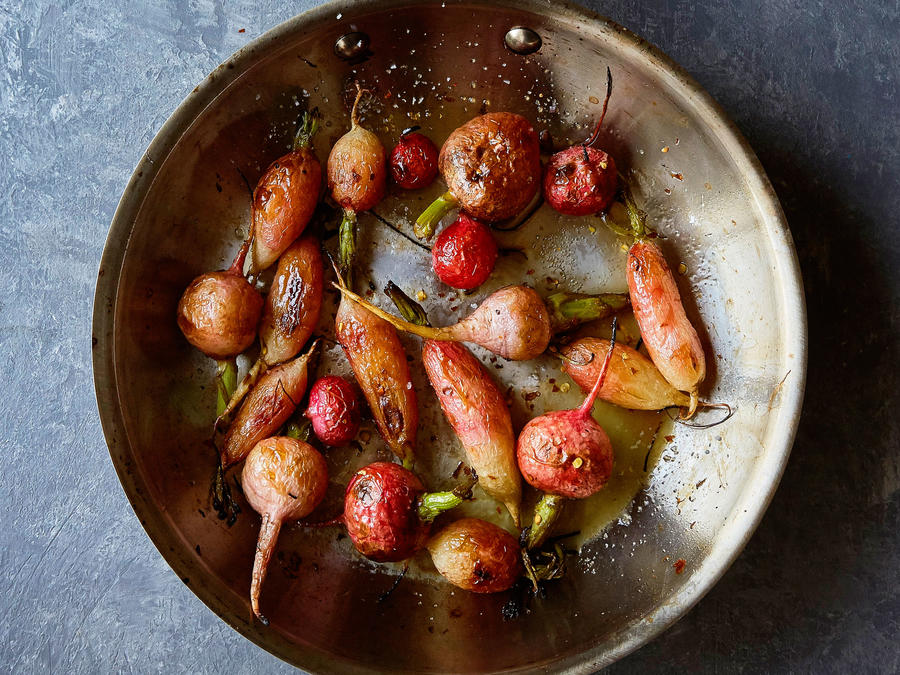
x=379 y=364
x=268 y=406
x=477 y=411
x=476 y=556
x=671 y=340
x=512 y=322
x=219 y=311
x=632 y=380
x=492 y=167
x=294 y=301
x=285 y=198
x=284 y=479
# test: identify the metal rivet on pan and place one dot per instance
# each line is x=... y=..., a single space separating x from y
x=351 y=45
x=522 y=40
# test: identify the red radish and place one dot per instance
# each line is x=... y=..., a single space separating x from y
x=567 y=455
x=632 y=380
x=670 y=338
x=464 y=254
x=219 y=311
x=582 y=180
x=474 y=406
x=414 y=160
x=285 y=198
x=284 y=480
x=356 y=171
x=476 y=556
x=388 y=513
x=291 y=314
x=512 y=322
x=492 y=167
x=334 y=410
x=266 y=408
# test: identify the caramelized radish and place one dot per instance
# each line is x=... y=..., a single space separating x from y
x=512 y=322
x=492 y=167
x=219 y=311
x=285 y=198
x=632 y=380
x=356 y=169
x=268 y=406
x=413 y=161
x=388 y=513
x=670 y=338
x=291 y=314
x=567 y=455
x=582 y=180
x=476 y=556
x=284 y=479
x=475 y=408
x=334 y=410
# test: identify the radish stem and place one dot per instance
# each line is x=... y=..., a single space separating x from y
x=567 y=310
x=546 y=513
x=426 y=223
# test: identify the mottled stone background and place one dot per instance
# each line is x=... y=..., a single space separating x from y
x=84 y=86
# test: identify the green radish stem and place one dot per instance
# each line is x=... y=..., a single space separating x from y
x=347 y=247
x=397 y=322
x=568 y=310
x=433 y=504
x=226 y=383
x=426 y=223
x=309 y=124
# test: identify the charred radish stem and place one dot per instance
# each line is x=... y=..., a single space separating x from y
x=596 y=134
x=427 y=222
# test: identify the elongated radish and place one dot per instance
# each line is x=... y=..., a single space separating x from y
x=476 y=555
x=492 y=167
x=357 y=175
x=291 y=314
x=284 y=479
x=582 y=180
x=268 y=406
x=219 y=311
x=475 y=408
x=285 y=198
x=632 y=381
x=388 y=513
x=567 y=455
x=512 y=322
x=670 y=338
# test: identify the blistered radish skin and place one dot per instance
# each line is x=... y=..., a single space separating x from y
x=268 y=406
x=476 y=556
x=477 y=411
x=632 y=380
x=294 y=301
x=379 y=364
x=334 y=410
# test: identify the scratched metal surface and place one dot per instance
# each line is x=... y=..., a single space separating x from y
x=84 y=86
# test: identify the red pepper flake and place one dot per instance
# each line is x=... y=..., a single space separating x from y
x=552 y=380
x=242 y=30
x=669 y=439
x=532 y=271
x=667 y=191
x=678 y=176
x=679 y=565
x=555 y=388
x=454 y=308
x=530 y=395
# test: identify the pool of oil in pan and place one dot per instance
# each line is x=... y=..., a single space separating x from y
x=549 y=252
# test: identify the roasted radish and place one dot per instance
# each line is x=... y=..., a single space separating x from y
x=285 y=198
x=475 y=408
x=284 y=479
x=512 y=322
x=671 y=340
x=565 y=454
x=476 y=555
x=632 y=381
x=582 y=180
x=219 y=311
x=492 y=168
x=464 y=254
x=388 y=513
x=334 y=410
x=356 y=169
x=414 y=160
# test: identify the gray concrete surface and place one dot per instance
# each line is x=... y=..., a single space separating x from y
x=813 y=84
